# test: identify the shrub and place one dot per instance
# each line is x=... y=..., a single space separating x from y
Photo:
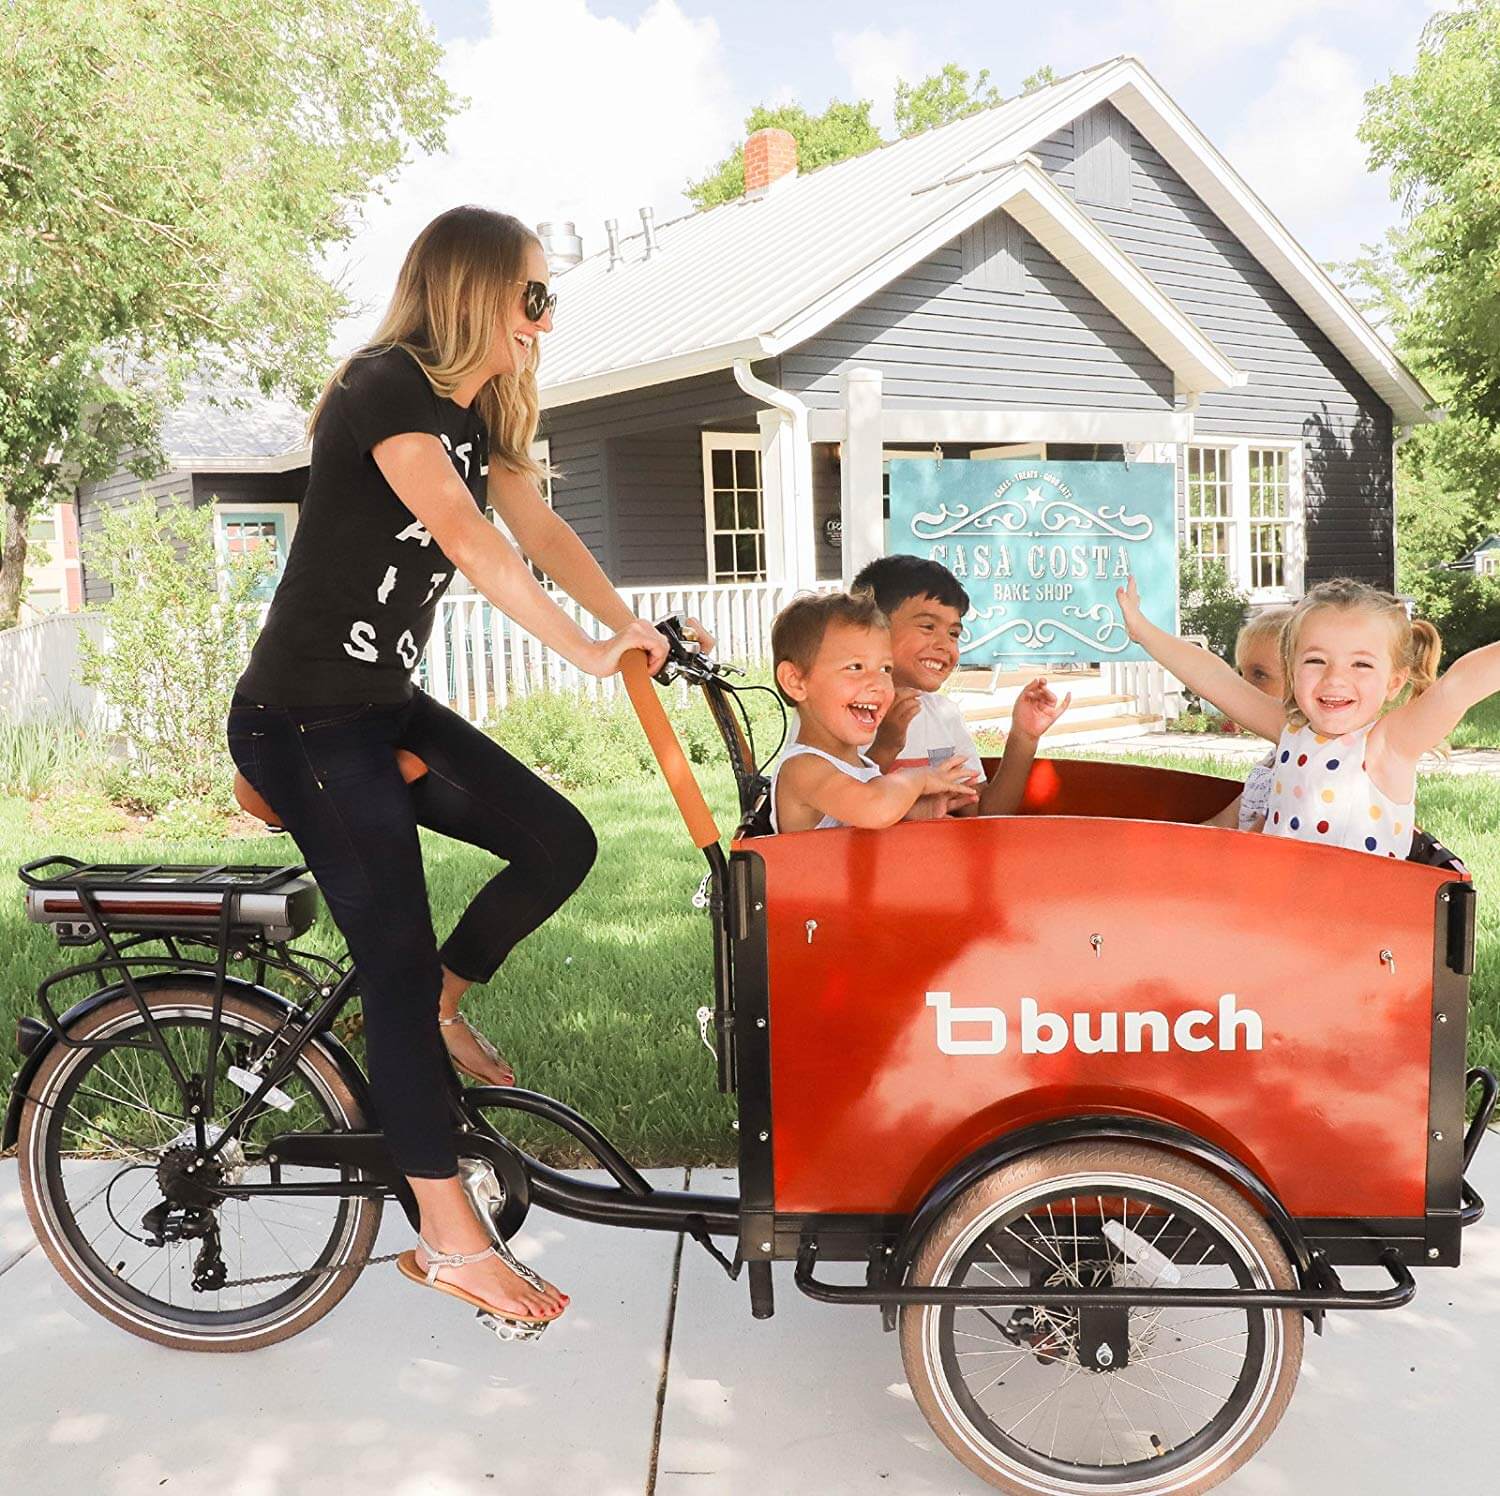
x=37 y=758
x=1210 y=604
x=583 y=743
x=178 y=629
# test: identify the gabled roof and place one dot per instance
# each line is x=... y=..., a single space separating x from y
x=244 y=432
x=754 y=277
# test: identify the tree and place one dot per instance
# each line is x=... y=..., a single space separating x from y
x=1438 y=130
x=842 y=130
x=845 y=130
x=172 y=172
x=943 y=97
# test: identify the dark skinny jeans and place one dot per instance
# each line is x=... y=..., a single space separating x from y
x=330 y=774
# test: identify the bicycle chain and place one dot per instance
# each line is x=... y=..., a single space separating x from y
x=311 y=1272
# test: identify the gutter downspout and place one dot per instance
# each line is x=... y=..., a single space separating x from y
x=797 y=506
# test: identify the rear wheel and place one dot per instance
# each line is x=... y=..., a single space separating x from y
x=104 y=1133
x=1054 y=1402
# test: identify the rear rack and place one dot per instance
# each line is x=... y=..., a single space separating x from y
x=159 y=877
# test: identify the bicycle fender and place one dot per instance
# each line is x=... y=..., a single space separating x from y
x=348 y=1068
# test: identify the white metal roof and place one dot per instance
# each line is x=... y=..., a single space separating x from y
x=756 y=276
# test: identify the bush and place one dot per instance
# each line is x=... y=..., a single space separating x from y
x=179 y=627
x=1466 y=610
x=1196 y=721
x=582 y=743
x=1210 y=605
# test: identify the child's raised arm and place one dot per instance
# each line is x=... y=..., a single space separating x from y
x=878 y=802
x=1423 y=722
x=1201 y=670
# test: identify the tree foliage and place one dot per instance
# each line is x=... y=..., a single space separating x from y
x=845 y=130
x=943 y=97
x=178 y=628
x=1438 y=130
x=172 y=173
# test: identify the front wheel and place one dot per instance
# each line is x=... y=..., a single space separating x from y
x=104 y=1129
x=1057 y=1402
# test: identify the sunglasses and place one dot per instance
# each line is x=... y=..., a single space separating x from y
x=539 y=301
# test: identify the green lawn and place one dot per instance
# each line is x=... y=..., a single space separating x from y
x=597 y=1007
x=1481 y=728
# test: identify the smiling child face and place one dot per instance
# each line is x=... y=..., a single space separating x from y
x=924 y=642
x=1343 y=670
x=846 y=690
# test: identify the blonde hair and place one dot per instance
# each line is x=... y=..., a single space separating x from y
x=1416 y=646
x=797 y=631
x=1266 y=624
x=457 y=282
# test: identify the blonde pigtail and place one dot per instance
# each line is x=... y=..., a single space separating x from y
x=1426 y=656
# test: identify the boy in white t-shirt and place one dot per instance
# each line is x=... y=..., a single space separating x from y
x=926 y=605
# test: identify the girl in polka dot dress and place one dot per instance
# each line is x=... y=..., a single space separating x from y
x=1345 y=765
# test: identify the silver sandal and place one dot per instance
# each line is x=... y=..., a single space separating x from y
x=507 y=1327
x=487 y=1049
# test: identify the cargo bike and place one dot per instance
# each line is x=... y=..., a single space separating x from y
x=1096 y=1100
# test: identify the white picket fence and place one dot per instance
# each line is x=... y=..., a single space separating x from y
x=478 y=660
x=41 y=670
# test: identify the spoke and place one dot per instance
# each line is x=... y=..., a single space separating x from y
x=1003 y=1263
x=1053 y=1261
x=134 y=1105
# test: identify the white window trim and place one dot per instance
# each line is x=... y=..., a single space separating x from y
x=1486 y=563
x=1239 y=511
x=286 y=510
x=727 y=441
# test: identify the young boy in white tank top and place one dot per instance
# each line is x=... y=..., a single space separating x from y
x=832 y=656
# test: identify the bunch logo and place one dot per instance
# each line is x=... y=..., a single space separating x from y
x=965 y=1030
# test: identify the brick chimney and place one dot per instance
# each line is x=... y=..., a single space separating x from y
x=770 y=155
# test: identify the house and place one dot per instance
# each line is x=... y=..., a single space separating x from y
x=1075 y=273
x=54 y=577
x=1483 y=560
x=244 y=454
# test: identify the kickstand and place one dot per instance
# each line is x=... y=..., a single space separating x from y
x=699 y=1232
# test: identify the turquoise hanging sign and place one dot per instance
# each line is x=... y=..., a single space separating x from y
x=1040 y=548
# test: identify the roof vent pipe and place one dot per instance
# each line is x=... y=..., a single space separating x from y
x=648 y=222
x=612 y=230
x=561 y=245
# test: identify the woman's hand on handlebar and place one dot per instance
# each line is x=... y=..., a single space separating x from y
x=604 y=656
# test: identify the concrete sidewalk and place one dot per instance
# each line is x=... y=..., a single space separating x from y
x=657 y=1380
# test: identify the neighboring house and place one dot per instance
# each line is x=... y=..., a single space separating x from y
x=1074 y=273
x=1483 y=560
x=247 y=457
x=54 y=582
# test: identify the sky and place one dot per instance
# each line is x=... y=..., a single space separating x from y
x=585 y=110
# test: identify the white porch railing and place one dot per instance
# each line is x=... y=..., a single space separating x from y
x=478 y=660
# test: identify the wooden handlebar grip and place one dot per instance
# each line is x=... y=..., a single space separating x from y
x=669 y=755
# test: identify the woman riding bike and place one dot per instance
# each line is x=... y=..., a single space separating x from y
x=412 y=438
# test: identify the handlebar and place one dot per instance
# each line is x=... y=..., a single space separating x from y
x=667 y=750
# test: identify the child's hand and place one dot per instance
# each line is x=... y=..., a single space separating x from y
x=1131 y=616
x=890 y=736
x=1037 y=708
x=954 y=779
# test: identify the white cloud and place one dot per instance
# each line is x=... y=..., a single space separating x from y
x=1297 y=144
x=875 y=61
x=1176 y=37
x=571 y=116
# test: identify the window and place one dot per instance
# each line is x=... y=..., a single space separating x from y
x=40 y=602
x=1243 y=506
x=1487 y=563
x=735 y=516
x=243 y=530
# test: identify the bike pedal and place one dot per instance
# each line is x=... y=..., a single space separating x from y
x=509 y=1329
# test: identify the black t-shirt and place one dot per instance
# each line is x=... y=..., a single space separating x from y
x=355 y=605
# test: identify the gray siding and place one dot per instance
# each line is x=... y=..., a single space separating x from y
x=630 y=474
x=119 y=489
x=943 y=336
x=1301 y=387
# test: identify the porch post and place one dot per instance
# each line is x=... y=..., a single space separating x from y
x=859 y=471
x=777 y=483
